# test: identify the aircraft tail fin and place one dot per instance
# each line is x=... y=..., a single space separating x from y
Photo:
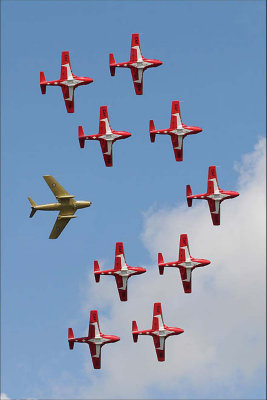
x=134 y=329
x=152 y=128
x=33 y=206
x=189 y=193
x=43 y=82
x=96 y=271
x=112 y=64
x=70 y=338
x=160 y=261
x=81 y=137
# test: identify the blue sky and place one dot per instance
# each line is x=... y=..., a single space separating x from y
x=213 y=57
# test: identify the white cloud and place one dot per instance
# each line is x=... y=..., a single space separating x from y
x=223 y=345
x=3 y=396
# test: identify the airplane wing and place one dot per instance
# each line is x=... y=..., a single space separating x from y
x=104 y=125
x=68 y=94
x=94 y=331
x=176 y=121
x=159 y=343
x=157 y=322
x=61 y=221
x=177 y=144
x=214 y=206
x=186 y=276
x=137 y=75
x=93 y=325
x=56 y=188
x=95 y=350
x=121 y=282
x=65 y=72
x=184 y=252
x=119 y=256
x=106 y=147
x=135 y=48
x=212 y=180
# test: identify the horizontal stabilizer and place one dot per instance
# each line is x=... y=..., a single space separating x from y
x=189 y=193
x=70 y=338
x=42 y=82
x=112 y=65
x=134 y=329
x=160 y=261
x=152 y=128
x=81 y=137
x=96 y=271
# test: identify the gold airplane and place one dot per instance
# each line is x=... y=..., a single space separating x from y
x=66 y=206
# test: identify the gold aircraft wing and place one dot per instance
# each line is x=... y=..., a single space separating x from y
x=62 y=219
x=56 y=188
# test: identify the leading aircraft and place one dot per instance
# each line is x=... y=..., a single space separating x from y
x=121 y=271
x=95 y=339
x=106 y=136
x=138 y=64
x=185 y=263
x=159 y=332
x=177 y=131
x=66 y=205
x=68 y=82
x=214 y=195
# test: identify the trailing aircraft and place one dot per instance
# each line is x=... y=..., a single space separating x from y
x=121 y=271
x=214 y=195
x=106 y=136
x=185 y=263
x=177 y=131
x=159 y=332
x=66 y=206
x=68 y=82
x=95 y=339
x=138 y=64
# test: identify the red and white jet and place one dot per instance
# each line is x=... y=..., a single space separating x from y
x=159 y=332
x=177 y=131
x=95 y=339
x=121 y=271
x=185 y=263
x=138 y=64
x=214 y=195
x=68 y=81
x=106 y=136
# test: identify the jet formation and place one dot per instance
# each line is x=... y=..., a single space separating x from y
x=67 y=206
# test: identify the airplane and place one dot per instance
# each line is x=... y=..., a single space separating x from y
x=95 y=339
x=185 y=263
x=177 y=131
x=68 y=81
x=138 y=64
x=159 y=332
x=214 y=195
x=66 y=206
x=121 y=271
x=105 y=135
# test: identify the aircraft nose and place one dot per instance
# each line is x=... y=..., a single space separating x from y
x=116 y=338
x=198 y=130
x=180 y=330
x=159 y=63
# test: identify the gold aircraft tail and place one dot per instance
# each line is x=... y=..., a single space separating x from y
x=33 y=206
